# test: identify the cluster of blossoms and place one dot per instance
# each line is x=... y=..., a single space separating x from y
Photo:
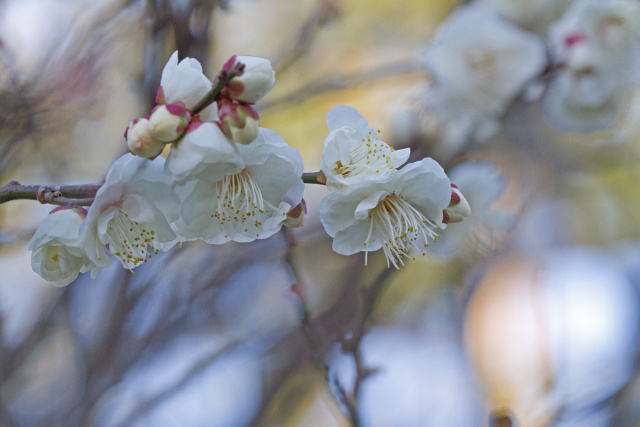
x=486 y=54
x=374 y=204
x=226 y=179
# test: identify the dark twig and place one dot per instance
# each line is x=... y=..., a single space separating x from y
x=368 y=298
x=221 y=80
x=311 y=178
x=62 y=195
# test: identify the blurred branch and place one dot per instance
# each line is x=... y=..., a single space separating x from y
x=338 y=81
x=351 y=345
x=65 y=195
x=142 y=408
x=323 y=13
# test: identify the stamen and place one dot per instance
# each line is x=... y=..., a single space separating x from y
x=239 y=202
x=129 y=240
x=399 y=227
x=371 y=156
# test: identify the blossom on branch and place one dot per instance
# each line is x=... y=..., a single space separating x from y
x=353 y=153
x=204 y=153
x=399 y=214
x=185 y=82
x=57 y=254
x=257 y=79
x=131 y=213
x=250 y=199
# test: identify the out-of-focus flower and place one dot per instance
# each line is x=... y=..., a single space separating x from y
x=397 y=214
x=482 y=183
x=295 y=217
x=131 y=213
x=257 y=79
x=479 y=63
x=458 y=208
x=353 y=153
x=141 y=141
x=250 y=202
x=204 y=153
x=553 y=335
x=598 y=43
x=169 y=121
x=533 y=15
x=57 y=255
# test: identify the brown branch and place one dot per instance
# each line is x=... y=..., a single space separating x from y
x=221 y=80
x=61 y=195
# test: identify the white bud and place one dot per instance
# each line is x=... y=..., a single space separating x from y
x=246 y=134
x=140 y=140
x=258 y=79
x=459 y=208
x=168 y=122
x=295 y=217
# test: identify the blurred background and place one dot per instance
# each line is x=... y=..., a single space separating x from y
x=525 y=314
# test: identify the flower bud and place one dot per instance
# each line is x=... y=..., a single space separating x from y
x=168 y=122
x=239 y=122
x=458 y=208
x=140 y=140
x=295 y=217
x=258 y=78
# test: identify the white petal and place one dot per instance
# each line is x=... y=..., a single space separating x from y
x=343 y=115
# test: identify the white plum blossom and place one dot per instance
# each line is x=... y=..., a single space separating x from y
x=479 y=63
x=250 y=200
x=399 y=213
x=57 y=253
x=185 y=82
x=168 y=122
x=481 y=183
x=203 y=153
x=598 y=46
x=141 y=141
x=131 y=213
x=353 y=153
x=257 y=79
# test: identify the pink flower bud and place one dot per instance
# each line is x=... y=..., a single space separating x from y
x=258 y=78
x=140 y=140
x=295 y=217
x=458 y=208
x=168 y=122
x=239 y=122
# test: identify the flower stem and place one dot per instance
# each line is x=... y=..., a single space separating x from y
x=311 y=178
x=61 y=195
x=221 y=80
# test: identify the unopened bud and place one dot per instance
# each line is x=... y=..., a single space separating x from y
x=140 y=140
x=458 y=208
x=239 y=122
x=168 y=122
x=295 y=217
x=257 y=79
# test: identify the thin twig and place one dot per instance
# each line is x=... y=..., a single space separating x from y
x=311 y=178
x=221 y=80
x=62 y=195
